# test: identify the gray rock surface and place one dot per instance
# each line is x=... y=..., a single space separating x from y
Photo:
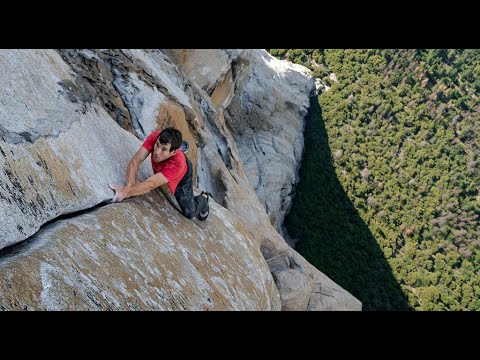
x=140 y=254
x=266 y=116
x=58 y=156
x=265 y=102
x=70 y=122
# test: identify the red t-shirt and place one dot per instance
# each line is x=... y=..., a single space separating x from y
x=173 y=168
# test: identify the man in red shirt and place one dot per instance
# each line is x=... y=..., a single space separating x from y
x=170 y=166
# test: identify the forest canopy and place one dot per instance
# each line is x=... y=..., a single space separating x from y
x=402 y=134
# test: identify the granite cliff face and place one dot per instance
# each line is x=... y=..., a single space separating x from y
x=264 y=101
x=69 y=123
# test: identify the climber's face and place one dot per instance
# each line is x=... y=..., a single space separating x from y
x=161 y=152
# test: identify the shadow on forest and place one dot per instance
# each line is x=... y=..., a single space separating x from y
x=331 y=234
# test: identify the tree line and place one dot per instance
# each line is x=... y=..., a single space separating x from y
x=402 y=136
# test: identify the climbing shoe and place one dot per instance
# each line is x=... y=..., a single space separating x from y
x=204 y=214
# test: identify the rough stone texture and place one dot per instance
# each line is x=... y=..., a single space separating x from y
x=140 y=254
x=141 y=89
x=62 y=142
x=266 y=101
x=137 y=82
x=266 y=116
x=57 y=156
x=225 y=177
x=301 y=285
x=210 y=69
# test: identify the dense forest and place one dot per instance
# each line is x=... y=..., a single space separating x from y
x=388 y=201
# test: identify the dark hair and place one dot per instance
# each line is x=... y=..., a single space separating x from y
x=170 y=136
